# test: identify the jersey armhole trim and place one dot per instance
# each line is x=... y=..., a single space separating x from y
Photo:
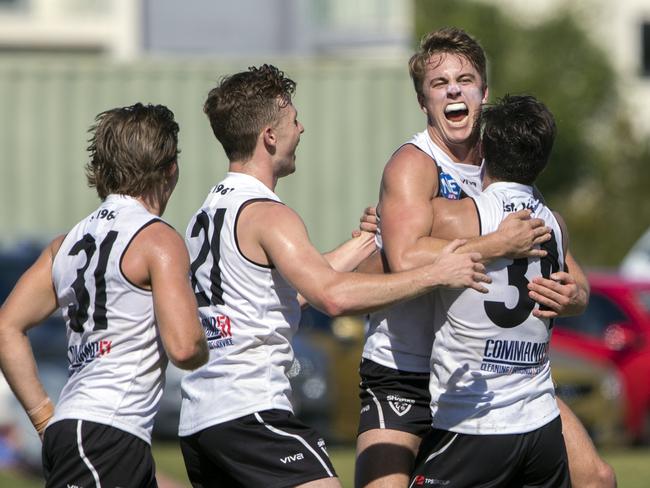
x=239 y=210
x=126 y=248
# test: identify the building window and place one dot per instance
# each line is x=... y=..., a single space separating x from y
x=645 y=49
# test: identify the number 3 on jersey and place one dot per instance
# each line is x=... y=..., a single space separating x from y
x=506 y=317
x=78 y=313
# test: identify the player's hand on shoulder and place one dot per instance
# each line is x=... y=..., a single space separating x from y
x=463 y=270
x=521 y=235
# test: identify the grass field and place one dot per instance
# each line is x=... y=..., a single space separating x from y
x=632 y=467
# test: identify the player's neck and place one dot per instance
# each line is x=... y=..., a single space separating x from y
x=152 y=204
x=256 y=169
x=466 y=152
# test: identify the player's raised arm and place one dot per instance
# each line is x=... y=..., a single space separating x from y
x=288 y=247
x=409 y=182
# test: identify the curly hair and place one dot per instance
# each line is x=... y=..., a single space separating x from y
x=131 y=149
x=242 y=104
x=449 y=40
x=517 y=137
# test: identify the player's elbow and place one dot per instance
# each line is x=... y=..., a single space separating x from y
x=190 y=356
x=331 y=302
x=603 y=476
x=606 y=476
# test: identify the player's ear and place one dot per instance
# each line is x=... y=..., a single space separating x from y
x=486 y=94
x=421 y=103
x=269 y=136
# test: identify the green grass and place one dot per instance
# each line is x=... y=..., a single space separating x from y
x=632 y=467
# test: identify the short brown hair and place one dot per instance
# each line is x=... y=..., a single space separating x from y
x=449 y=40
x=131 y=149
x=242 y=104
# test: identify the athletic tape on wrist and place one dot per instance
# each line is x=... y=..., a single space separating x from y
x=41 y=414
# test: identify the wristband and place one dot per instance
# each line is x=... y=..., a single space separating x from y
x=41 y=414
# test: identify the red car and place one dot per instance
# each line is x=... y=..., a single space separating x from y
x=615 y=330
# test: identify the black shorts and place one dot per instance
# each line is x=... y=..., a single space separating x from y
x=534 y=459
x=394 y=399
x=82 y=453
x=271 y=448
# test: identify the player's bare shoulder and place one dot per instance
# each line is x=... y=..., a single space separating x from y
x=54 y=246
x=265 y=218
x=157 y=246
x=159 y=239
x=411 y=168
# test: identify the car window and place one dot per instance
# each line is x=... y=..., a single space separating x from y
x=600 y=313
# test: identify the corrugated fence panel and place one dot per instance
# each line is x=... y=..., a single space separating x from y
x=355 y=114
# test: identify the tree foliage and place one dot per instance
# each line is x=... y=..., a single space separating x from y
x=593 y=175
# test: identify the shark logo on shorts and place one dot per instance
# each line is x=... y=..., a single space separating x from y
x=399 y=405
x=321 y=444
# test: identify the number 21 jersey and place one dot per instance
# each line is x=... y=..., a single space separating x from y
x=249 y=313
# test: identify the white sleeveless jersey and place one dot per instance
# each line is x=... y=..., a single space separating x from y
x=249 y=313
x=116 y=358
x=400 y=336
x=490 y=372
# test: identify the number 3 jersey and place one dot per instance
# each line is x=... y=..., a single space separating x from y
x=249 y=313
x=116 y=358
x=490 y=372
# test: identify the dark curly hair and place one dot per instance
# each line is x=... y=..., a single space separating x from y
x=517 y=136
x=131 y=149
x=242 y=104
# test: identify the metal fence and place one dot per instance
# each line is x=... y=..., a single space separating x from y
x=355 y=113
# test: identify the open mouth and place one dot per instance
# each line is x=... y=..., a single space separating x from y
x=456 y=112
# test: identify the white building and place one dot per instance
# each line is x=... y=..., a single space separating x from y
x=127 y=29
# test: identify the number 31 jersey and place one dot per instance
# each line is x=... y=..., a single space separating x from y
x=490 y=372
x=116 y=358
x=249 y=313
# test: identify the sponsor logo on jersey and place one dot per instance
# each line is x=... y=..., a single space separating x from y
x=449 y=188
x=83 y=354
x=510 y=356
x=400 y=405
x=365 y=408
x=530 y=204
x=471 y=183
x=299 y=456
x=218 y=331
x=424 y=481
x=68 y=485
